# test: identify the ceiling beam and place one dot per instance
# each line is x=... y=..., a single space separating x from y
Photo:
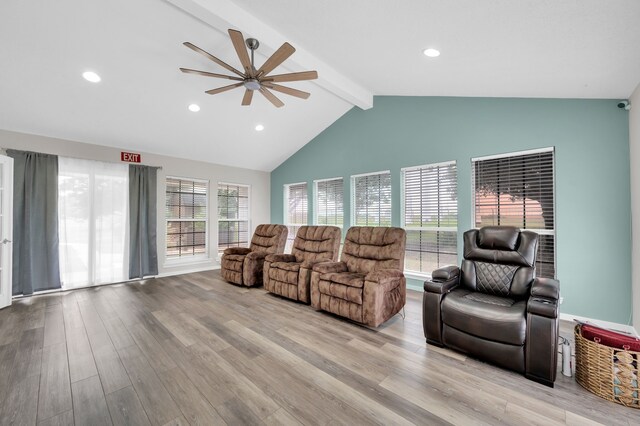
x=224 y=14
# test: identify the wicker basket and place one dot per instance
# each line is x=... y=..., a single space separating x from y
x=610 y=373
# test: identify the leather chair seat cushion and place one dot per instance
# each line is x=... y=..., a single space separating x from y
x=498 y=319
x=341 y=291
x=351 y=279
x=284 y=272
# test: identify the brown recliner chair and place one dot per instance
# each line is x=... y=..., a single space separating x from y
x=289 y=275
x=368 y=284
x=493 y=306
x=243 y=266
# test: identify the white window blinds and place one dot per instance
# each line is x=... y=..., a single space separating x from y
x=186 y=213
x=371 y=199
x=430 y=216
x=297 y=208
x=329 y=208
x=233 y=216
x=518 y=190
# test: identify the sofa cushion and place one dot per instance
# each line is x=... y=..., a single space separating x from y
x=499 y=319
x=351 y=279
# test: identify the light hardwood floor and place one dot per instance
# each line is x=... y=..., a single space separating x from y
x=192 y=349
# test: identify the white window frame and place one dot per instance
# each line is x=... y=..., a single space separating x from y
x=553 y=232
x=219 y=256
x=315 y=199
x=173 y=261
x=285 y=193
x=353 y=194
x=408 y=272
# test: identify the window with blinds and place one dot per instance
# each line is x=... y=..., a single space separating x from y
x=371 y=199
x=329 y=207
x=295 y=196
x=430 y=216
x=186 y=214
x=518 y=190
x=233 y=216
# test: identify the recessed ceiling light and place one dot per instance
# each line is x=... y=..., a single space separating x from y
x=259 y=128
x=91 y=76
x=194 y=108
x=432 y=53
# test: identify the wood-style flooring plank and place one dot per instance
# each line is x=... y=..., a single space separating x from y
x=53 y=326
x=155 y=399
x=125 y=408
x=81 y=362
x=194 y=406
x=62 y=419
x=89 y=403
x=55 y=388
x=20 y=406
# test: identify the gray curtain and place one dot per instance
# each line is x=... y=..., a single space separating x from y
x=36 y=264
x=143 y=253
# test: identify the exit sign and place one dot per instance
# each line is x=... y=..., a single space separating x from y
x=130 y=157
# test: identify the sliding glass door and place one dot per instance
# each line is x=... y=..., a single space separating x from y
x=93 y=215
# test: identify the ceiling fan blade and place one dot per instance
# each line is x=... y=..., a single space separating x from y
x=294 y=76
x=213 y=58
x=248 y=95
x=223 y=89
x=271 y=97
x=238 y=43
x=288 y=90
x=276 y=59
x=209 y=74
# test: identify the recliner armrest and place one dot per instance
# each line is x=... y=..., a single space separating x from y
x=280 y=258
x=545 y=287
x=257 y=255
x=443 y=280
x=237 y=250
x=387 y=278
x=543 y=306
x=326 y=267
x=308 y=264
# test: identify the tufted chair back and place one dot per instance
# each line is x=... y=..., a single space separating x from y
x=368 y=248
x=500 y=261
x=314 y=243
x=269 y=238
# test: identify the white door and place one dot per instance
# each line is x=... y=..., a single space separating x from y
x=6 y=229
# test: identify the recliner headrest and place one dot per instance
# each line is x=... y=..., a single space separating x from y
x=498 y=237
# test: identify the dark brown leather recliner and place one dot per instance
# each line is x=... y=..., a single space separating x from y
x=368 y=284
x=493 y=307
x=289 y=275
x=242 y=265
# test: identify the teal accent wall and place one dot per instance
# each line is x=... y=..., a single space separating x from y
x=591 y=139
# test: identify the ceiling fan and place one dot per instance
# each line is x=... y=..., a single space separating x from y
x=255 y=79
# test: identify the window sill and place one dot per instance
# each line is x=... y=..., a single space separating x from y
x=196 y=260
x=417 y=275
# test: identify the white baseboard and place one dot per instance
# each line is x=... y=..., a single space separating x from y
x=600 y=323
x=188 y=271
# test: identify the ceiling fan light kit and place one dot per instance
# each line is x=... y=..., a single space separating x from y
x=253 y=79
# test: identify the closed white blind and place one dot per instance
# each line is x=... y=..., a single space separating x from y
x=430 y=216
x=297 y=208
x=329 y=208
x=233 y=216
x=518 y=190
x=371 y=201
x=186 y=212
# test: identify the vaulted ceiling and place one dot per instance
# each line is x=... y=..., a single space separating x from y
x=361 y=48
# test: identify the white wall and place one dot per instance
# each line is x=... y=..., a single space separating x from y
x=214 y=173
x=634 y=154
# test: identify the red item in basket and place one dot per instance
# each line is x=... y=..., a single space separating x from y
x=610 y=338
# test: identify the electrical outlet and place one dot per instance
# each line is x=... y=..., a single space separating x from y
x=561 y=300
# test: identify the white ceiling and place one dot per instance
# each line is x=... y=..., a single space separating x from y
x=496 y=48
